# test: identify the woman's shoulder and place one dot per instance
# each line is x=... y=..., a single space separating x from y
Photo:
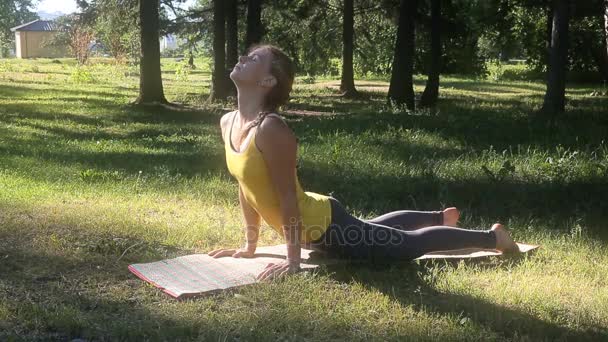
x=273 y=118
x=225 y=121
x=275 y=127
x=226 y=117
x=273 y=122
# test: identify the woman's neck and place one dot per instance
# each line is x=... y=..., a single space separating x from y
x=250 y=103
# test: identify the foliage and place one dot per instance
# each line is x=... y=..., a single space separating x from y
x=182 y=71
x=375 y=33
x=313 y=41
x=526 y=21
x=81 y=74
x=80 y=41
x=497 y=70
x=116 y=26
x=307 y=79
x=13 y=13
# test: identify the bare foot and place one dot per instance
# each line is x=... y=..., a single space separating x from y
x=451 y=216
x=504 y=241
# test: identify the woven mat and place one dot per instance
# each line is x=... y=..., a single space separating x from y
x=197 y=274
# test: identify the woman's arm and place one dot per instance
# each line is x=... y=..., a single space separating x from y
x=279 y=148
x=252 y=222
x=250 y=215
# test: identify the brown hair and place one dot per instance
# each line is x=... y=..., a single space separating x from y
x=283 y=70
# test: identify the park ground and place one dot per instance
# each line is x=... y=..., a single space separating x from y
x=90 y=184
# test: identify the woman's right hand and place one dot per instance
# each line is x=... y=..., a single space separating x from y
x=235 y=253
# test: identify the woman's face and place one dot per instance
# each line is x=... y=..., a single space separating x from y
x=253 y=68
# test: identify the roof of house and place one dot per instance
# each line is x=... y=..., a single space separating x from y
x=37 y=25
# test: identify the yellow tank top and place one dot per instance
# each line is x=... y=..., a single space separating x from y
x=249 y=168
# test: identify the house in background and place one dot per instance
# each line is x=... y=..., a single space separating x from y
x=168 y=42
x=31 y=38
x=171 y=42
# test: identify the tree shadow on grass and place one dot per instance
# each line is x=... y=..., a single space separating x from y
x=173 y=144
x=105 y=100
x=75 y=94
x=188 y=162
x=18 y=112
x=483 y=85
x=71 y=298
x=476 y=128
x=172 y=113
x=55 y=296
x=411 y=285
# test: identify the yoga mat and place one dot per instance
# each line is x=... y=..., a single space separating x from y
x=470 y=253
x=197 y=274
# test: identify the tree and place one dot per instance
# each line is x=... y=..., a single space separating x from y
x=232 y=39
x=150 y=78
x=13 y=13
x=116 y=27
x=255 y=30
x=73 y=31
x=80 y=37
x=191 y=40
x=347 y=84
x=556 y=70
x=307 y=31
x=431 y=91
x=401 y=89
x=219 y=89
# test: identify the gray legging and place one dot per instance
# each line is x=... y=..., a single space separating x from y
x=398 y=235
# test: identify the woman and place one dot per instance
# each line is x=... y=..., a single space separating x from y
x=261 y=154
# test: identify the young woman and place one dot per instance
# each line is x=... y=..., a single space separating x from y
x=261 y=154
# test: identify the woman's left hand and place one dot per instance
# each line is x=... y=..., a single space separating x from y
x=278 y=270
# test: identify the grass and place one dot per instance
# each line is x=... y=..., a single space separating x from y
x=90 y=184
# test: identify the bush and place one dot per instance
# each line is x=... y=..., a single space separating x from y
x=81 y=75
x=6 y=67
x=308 y=79
x=182 y=71
x=506 y=71
x=494 y=70
x=335 y=67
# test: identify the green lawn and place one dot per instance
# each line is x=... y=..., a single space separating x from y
x=90 y=184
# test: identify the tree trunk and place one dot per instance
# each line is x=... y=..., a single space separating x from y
x=191 y=58
x=232 y=41
x=401 y=89
x=431 y=91
x=218 y=76
x=150 y=78
x=255 y=30
x=347 y=85
x=556 y=72
x=598 y=53
x=504 y=29
x=606 y=39
x=600 y=58
x=548 y=33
